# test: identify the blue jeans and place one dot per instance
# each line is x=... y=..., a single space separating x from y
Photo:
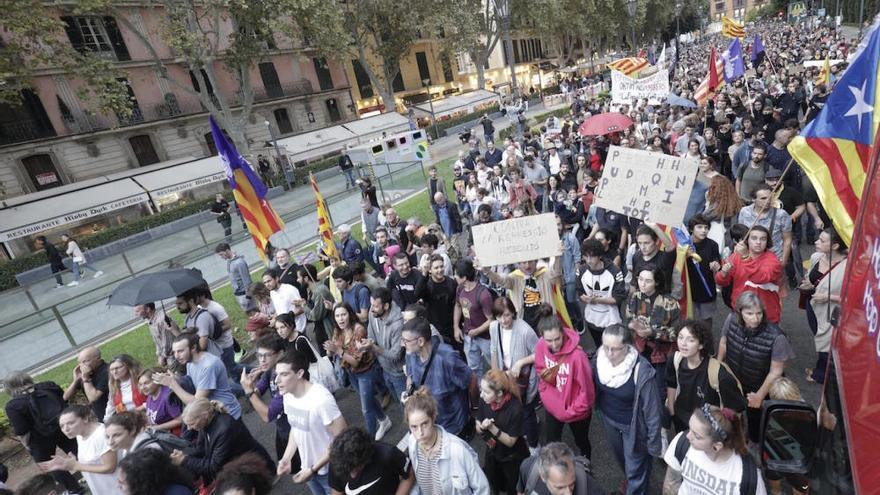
x=476 y=350
x=367 y=384
x=227 y=355
x=396 y=384
x=636 y=464
x=320 y=484
x=349 y=175
x=77 y=273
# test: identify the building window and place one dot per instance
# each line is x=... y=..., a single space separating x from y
x=137 y=115
x=424 y=71
x=209 y=140
x=365 y=86
x=99 y=35
x=333 y=110
x=464 y=63
x=516 y=57
x=209 y=89
x=325 y=79
x=271 y=83
x=282 y=119
x=447 y=69
x=143 y=149
x=397 y=84
x=25 y=121
x=41 y=171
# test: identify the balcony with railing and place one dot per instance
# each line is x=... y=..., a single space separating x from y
x=23 y=130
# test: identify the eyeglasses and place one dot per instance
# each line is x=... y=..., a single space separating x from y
x=407 y=341
x=264 y=355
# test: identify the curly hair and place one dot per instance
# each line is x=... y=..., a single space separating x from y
x=246 y=473
x=351 y=449
x=723 y=197
x=700 y=331
x=150 y=471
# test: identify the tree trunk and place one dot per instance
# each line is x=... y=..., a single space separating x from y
x=478 y=60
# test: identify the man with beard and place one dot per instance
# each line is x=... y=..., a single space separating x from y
x=383 y=339
x=438 y=293
x=752 y=175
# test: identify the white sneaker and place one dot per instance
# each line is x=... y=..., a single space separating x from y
x=73 y=284
x=384 y=426
x=98 y=273
x=58 y=286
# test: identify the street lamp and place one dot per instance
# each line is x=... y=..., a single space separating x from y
x=677 y=22
x=427 y=84
x=631 y=5
x=278 y=162
x=502 y=10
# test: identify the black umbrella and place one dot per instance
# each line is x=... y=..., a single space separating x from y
x=156 y=286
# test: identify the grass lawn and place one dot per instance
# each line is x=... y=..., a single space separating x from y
x=138 y=344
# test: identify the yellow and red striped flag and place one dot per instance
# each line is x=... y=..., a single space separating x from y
x=836 y=148
x=630 y=66
x=325 y=227
x=731 y=28
x=702 y=94
x=249 y=192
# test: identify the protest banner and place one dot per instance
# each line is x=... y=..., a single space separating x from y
x=647 y=185
x=518 y=239
x=625 y=89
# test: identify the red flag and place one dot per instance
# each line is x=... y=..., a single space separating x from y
x=642 y=53
x=713 y=72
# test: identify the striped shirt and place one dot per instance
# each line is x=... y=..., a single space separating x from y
x=428 y=471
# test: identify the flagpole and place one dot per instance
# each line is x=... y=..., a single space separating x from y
x=773 y=193
x=749 y=94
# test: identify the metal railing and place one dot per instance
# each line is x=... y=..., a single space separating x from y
x=63 y=325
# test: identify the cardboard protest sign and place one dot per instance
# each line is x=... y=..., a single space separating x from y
x=518 y=239
x=647 y=185
x=625 y=89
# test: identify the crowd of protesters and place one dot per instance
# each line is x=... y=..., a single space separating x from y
x=493 y=359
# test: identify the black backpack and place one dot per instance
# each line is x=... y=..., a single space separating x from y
x=749 y=483
x=45 y=407
x=580 y=462
x=168 y=442
x=217 y=330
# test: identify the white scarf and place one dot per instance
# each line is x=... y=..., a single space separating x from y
x=614 y=376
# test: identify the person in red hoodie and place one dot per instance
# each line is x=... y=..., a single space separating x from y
x=565 y=381
x=754 y=267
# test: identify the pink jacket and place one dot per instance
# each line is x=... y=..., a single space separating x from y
x=571 y=396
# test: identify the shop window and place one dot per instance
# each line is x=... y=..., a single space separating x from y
x=333 y=110
x=41 y=171
x=322 y=70
x=282 y=119
x=143 y=149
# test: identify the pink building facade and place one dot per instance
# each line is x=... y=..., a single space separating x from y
x=54 y=138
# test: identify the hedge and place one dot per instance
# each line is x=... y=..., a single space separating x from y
x=537 y=120
x=9 y=269
x=442 y=125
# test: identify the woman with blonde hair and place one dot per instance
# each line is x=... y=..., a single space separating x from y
x=500 y=423
x=221 y=438
x=444 y=464
x=125 y=395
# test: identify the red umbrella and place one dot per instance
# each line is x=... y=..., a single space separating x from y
x=604 y=123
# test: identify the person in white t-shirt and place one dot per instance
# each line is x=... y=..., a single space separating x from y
x=95 y=459
x=314 y=418
x=712 y=457
x=285 y=298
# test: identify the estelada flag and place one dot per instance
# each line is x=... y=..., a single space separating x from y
x=630 y=66
x=731 y=28
x=249 y=192
x=836 y=147
x=325 y=227
x=704 y=90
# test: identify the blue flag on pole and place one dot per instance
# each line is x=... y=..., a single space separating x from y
x=757 y=51
x=733 y=62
